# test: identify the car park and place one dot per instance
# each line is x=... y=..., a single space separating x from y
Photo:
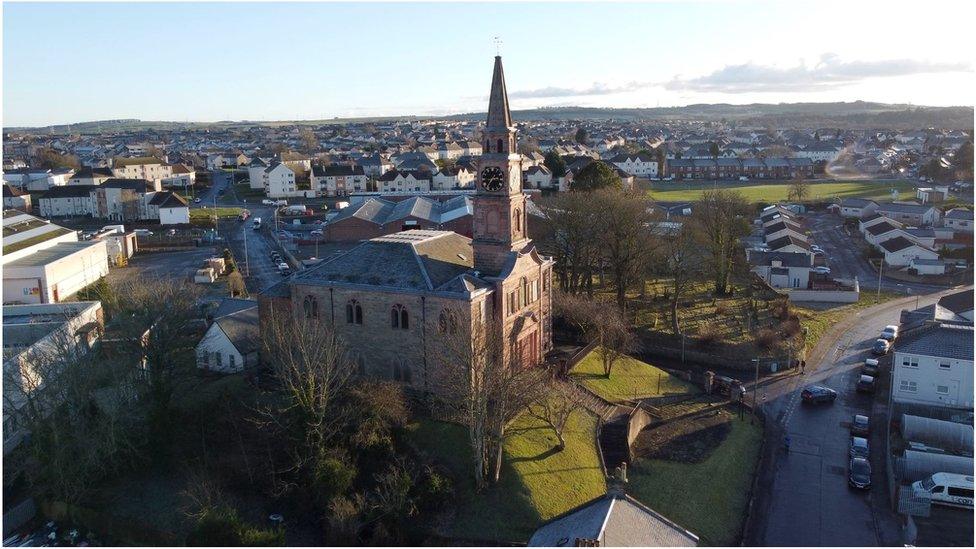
x=866 y=384
x=870 y=367
x=860 y=425
x=859 y=473
x=881 y=347
x=818 y=393
x=859 y=448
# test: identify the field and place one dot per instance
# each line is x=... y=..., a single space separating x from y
x=629 y=378
x=699 y=474
x=207 y=213
x=536 y=482
x=678 y=191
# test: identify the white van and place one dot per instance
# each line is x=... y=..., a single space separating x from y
x=949 y=489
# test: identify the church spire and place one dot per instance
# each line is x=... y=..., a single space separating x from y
x=498 y=114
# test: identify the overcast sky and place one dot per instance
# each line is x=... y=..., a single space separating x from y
x=235 y=61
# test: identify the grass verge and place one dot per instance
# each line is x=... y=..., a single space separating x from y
x=710 y=497
x=630 y=378
x=773 y=192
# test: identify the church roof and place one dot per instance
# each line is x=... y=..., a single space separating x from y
x=499 y=115
x=417 y=260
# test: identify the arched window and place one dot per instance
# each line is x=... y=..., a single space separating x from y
x=399 y=318
x=499 y=145
x=311 y=307
x=487 y=146
x=447 y=322
x=354 y=312
x=517 y=220
x=524 y=288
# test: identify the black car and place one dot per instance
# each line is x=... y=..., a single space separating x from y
x=818 y=393
x=859 y=475
x=860 y=426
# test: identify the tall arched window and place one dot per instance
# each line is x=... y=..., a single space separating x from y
x=487 y=146
x=524 y=288
x=354 y=312
x=399 y=317
x=447 y=322
x=499 y=145
x=311 y=307
x=517 y=220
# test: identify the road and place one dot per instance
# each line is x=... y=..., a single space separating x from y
x=846 y=261
x=806 y=500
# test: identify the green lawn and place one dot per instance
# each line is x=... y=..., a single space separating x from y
x=628 y=379
x=536 y=483
x=771 y=192
x=708 y=498
x=818 y=322
x=208 y=213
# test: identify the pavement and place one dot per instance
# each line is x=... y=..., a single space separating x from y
x=804 y=498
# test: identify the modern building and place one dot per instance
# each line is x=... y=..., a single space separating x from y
x=338 y=179
x=16 y=199
x=933 y=365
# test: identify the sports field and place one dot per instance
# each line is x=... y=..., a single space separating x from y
x=754 y=191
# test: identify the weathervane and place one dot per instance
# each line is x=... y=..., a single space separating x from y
x=498 y=45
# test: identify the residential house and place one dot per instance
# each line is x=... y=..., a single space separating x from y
x=279 y=181
x=148 y=168
x=782 y=269
x=538 y=177
x=456 y=177
x=375 y=165
x=919 y=215
x=182 y=177
x=879 y=232
x=857 y=208
x=255 y=173
x=37 y=179
x=784 y=227
x=90 y=176
x=67 y=201
x=397 y=180
x=123 y=199
x=16 y=199
x=933 y=366
x=957 y=219
x=900 y=251
x=789 y=243
x=339 y=179
x=170 y=208
x=638 y=165
x=232 y=343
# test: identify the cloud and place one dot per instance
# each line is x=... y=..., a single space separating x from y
x=596 y=89
x=829 y=72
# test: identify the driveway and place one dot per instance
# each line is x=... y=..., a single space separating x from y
x=805 y=498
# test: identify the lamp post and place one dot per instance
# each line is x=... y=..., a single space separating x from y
x=755 y=386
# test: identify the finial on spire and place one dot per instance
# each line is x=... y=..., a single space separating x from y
x=498 y=45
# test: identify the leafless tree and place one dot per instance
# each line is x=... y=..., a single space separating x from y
x=719 y=221
x=573 y=240
x=309 y=142
x=555 y=406
x=311 y=371
x=486 y=391
x=799 y=190
x=601 y=323
x=679 y=259
x=623 y=235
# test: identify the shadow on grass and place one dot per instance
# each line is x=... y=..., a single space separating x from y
x=550 y=452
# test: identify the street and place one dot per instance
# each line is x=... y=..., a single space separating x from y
x=808 y=501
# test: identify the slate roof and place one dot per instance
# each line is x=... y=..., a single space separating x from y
x=69 y=191
x=91 y=173
x=228 y=305
x=960 y=214
x=615 y=521
x=337 y=170
x=904 y=208
x=785 y=241
x=958 y=302
x=136 y=161
x=881 y=228
x=939 y=340
x=856 y=202
x=167 y=199
x=784 y=224
x=242 y=329
x=417 y=260
x=9 y=191
x=788 y=259
x=899 y=243
x=140 y=185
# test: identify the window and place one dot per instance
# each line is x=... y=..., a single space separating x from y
x=908 y=386
x=354 y=312
x=524 y=290
x=231 y=361
x=399 y=318
x=945 y=365
x=910 y=362
x=311 y=307
x=517 y=220
x=447 y=322
x=942 y=389
x=499 y=145
x=219 y=359
x=961 y=492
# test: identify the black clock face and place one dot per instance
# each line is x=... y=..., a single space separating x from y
x=492 y=179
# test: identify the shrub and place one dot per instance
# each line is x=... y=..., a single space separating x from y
x=332 y=477
x=709 y=335
x=766 y=338
x=721 y=308
x=791 y=327
x=221 y=526
x=435 y=489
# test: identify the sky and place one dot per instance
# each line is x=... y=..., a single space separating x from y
x=76 y=62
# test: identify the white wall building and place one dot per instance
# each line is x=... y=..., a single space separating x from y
x=933 y=365
x=231 y=343
x=279 y=181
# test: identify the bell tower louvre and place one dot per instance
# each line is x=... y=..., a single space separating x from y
x=499 y=204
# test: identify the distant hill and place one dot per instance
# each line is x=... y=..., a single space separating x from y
x=853 y=115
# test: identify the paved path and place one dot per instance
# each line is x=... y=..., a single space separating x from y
x=804 y=497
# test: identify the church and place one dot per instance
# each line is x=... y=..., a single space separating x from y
x=397 y=300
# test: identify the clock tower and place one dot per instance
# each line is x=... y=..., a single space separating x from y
x=499 y=204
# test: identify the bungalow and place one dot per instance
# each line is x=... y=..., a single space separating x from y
x=900 y=251
x=928 y=266
x=958 y=219
x=926 y=236
x=790 y=243
x=879 y=232
x=232 y=343
x=874 y=219
x=919 y=215
x=782 y=269
x=784 y=227
x=857 y=208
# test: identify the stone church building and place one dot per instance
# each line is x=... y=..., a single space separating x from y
x=397 y=301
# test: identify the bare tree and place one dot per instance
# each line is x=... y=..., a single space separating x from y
x=799 y=190
x=719 y=222
x=622 y=235
x=678 y=258
x=600 y=323
x=311 y=371
x=486 y=391
x=309 y=142
x=573 y=240
x=555 y=406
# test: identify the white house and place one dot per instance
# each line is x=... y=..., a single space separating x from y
x=538 y=177
x=255 y=173
x=919 y=215
x=782 y=270
x=170 y=208
x=637 y=165
x=933 y=365
x=90 y=176
x=232 y=343
x=404 y=181
x=16 y=198
x=67 y=201
x=181 y=176
x=900 y=251
x=458 y=177
x=148 y=168
x=819 y=152
x=37 y=179
x=928 y=266
x=279 y=181
x=879 y=232
x=857 y=207
x=784 y=227
x=790 y=243
x=959 y=219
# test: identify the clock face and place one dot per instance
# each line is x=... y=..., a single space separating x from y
x=492 y=179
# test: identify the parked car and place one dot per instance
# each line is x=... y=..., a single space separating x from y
x=859 y=474
x=316 y=232
x=865 y=384
x=859 y=448
x=818 y=393
x=870 y=367
x=816 y=248
x=282 y=266
x=171 y=232
x=196 y=200
x=890 y=332
x=860 y=425
x=821 y=270
x=143 y=232
x=881 y=347
x=268 y=202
